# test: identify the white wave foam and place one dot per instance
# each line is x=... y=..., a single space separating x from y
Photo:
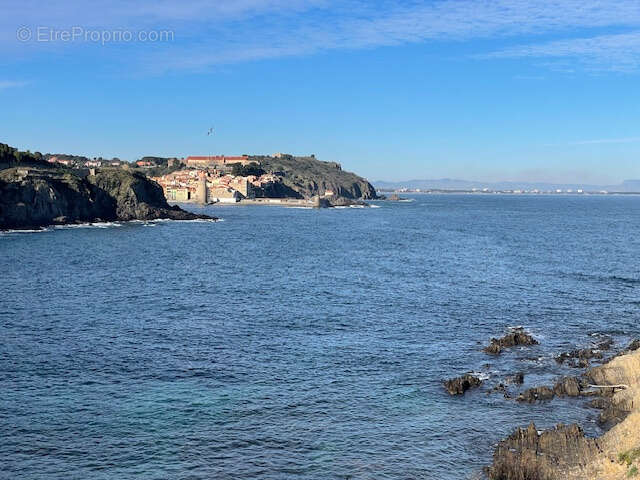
x=482 y=375
x=88 y=225
x=13 y=232
x=103 y=225
x=195 y=220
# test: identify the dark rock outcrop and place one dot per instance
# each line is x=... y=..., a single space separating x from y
x=611 y=413
x=394 y=197
x=633 y=346
x=568 y=387
x=527 y=455
x=564 y=387
x=535 y=394
x=515 y=338
x=581 y=358
x=37 y=197
x=458 y=386
x=331 y=202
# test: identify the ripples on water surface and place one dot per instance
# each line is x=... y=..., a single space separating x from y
x=288 y=343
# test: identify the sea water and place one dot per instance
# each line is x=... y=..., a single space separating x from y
x=308 y=344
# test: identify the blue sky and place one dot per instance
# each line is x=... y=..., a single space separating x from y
x=475 y=89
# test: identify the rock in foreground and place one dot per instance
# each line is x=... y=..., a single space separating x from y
x=527 y=455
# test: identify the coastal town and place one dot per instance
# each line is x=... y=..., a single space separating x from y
x=211 y=179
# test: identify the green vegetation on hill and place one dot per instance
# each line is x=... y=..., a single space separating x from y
x=11 y=157
x=240 y=170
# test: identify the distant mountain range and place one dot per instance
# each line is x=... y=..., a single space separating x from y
x=455 y=184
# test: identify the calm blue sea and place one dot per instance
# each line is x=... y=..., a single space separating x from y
x=303 y=344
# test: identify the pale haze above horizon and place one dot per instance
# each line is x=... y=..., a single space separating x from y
x=495 y=90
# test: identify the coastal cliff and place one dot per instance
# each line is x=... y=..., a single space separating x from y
x=35 y=195
x=306 y=177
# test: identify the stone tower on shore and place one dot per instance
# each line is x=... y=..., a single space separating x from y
x=201 y=190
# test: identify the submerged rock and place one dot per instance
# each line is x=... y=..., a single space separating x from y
x=565 y=387
x=535 y=394
x=528 y=455
x=459 y=385
x=516 y=378
x=516 y=338
x=581 y=358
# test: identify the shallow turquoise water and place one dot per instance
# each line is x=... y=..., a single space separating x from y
x=290 y=343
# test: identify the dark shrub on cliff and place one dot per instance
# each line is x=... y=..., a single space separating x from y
x=240 y=170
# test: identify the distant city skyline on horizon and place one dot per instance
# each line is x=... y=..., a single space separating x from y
x=629 y=185
x=500 y=90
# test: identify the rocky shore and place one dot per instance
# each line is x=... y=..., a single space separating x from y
x=565 y=452
x=35 y=196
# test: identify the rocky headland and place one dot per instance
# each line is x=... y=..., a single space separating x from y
x=306 y=177
x=35 y=194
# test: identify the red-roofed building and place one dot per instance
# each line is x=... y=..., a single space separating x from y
x=216 y=161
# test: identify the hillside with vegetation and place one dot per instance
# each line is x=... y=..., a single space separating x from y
x=308 y=177
x=11 y=157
